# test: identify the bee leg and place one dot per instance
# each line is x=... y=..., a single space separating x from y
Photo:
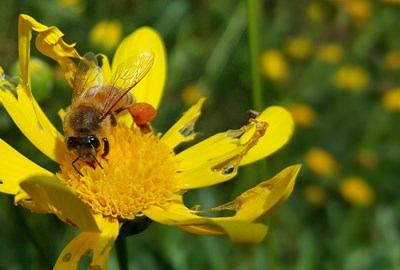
x=106 y=148
x=95 y=159
x=73 y=165
x=145 y=128
x=113 y=120
x=123 y=108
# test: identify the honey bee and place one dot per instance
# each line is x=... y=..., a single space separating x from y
x=95 y=105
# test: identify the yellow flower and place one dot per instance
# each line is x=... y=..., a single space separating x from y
x=360 y=11
x=106 y=35
x=331 y=53
x=142 y=178
x=273 y=65
x=321 y=162
x=303 y=115
x=352 y=78
x=298 y=47
x=357 y=191
x=392 y=60
x=391 y=99
x=315 y=195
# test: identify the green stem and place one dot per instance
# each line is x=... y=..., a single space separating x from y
x=120 y=245
x=253 y=20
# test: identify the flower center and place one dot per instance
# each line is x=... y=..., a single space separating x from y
x=139 y=171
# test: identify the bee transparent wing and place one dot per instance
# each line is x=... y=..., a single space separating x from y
x=128 y=74
x=88 y=75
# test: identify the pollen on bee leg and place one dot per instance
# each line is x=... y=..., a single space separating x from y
x=142 y=113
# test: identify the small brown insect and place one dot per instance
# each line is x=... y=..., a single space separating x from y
x=94 y=105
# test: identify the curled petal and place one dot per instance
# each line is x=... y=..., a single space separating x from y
x=51 y=193
x=49 y=42
x=31 y=120
x=150 y=88
x=97 y=246
x=14 y=168
x=178 y=215
x=217 y=158
x=280 y=129
x=183 y=129
x=265 y=197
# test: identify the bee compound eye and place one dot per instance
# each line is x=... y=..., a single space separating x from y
x=94 y=141
x=70 y=143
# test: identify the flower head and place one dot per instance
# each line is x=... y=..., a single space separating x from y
x=141 y=175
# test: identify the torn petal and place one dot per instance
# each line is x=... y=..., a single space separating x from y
x=280 y=129
x=265 y=197
x=183 y=129
x=217 y=158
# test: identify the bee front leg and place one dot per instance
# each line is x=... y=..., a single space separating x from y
x=106 y=148
x=73 y=165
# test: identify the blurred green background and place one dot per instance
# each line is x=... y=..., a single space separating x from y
x=334 y=65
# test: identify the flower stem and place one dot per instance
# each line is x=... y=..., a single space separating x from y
x=253 y=9
x=253 y=20
x=120 y=245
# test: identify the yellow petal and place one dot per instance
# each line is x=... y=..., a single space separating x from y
x=95 y=245
x=14 y=168
x=31 y=120
x=49 y=191
x=183 y=129
x=49 y=42
x=177 y=214
x=280 y=129
x=266 y=196
x=152 y=85
x=105 y=67
x=217 y=158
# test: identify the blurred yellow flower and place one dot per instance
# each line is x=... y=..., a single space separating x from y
x=77 y=5
x=321 y=162
x=353 y=78
x=331 y=52
x=303 y=115
x=273 y=65
x=315 y=195
x=360 y=10
x=191 y=94
x=298 y=47
x=315 y=12
x=357 y=191
x=391 y=99
x=106 y=34
x=392 y=59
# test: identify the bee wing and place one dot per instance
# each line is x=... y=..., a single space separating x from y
x=127 y=75
x=88 y=75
